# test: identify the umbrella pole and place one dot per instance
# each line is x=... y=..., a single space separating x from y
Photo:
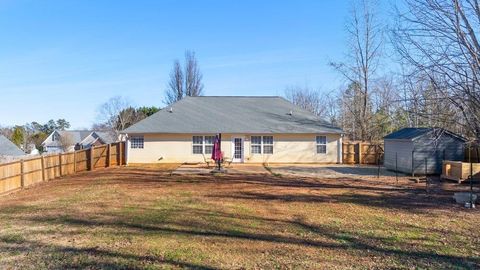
x=219 y=161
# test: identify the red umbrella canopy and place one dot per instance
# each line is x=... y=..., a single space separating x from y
x=217 y=149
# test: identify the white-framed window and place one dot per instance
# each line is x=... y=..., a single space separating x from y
x=256 y=142
x=321 y=144
x=202 y=144
x=268 y=144
x=137 y=142
x=208 y=144
x=197 y=144
x=261 y=144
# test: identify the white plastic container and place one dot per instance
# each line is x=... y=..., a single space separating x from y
x=464 y=197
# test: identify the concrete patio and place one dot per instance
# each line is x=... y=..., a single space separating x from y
x=332 y=170
x=186 y=169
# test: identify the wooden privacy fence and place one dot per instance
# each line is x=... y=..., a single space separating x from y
x=362 y=153
x=27 y=172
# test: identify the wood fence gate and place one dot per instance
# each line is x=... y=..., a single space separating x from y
x=362 y=153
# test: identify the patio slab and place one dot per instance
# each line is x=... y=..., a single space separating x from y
x=232 y=169
x=332 y=170
x=192 y=169
x=247 y=169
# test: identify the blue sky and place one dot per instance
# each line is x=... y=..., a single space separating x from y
x=62 y=59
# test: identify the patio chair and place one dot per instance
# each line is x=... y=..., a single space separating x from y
x=227 y=160
x=208 y=160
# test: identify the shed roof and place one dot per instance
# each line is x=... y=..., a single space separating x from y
x=234 y=114
x=8 y=148
x=414 y=133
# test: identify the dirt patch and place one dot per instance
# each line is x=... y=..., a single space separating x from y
x=136 y=218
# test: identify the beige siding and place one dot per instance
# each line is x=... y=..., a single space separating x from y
x=287 y=148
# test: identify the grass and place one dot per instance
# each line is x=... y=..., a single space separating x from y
x=145 y=218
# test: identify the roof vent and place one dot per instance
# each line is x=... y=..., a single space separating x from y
x=170 y=110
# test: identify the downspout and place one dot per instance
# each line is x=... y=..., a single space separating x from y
x=340 y=150
x=127 y=148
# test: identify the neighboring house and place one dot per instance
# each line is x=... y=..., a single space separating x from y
x=69 y=140
x=8 y=150
x=410 y=149
x=254 y=130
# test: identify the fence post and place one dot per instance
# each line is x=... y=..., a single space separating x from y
x=74 y=161
x=360 y=153
x=378 y=164
x=471 y=174
x=60 y=164
x=117 y=154
x=22 y=174
x=109 y=155
x=43 y=168
x=426 y=177
x=92 y=149
x=120 y=157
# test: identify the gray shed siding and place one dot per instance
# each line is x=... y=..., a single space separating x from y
x=403 y=150
x=428 y=153
x=446 y=147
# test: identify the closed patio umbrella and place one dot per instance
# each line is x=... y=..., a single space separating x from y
x=217 y=150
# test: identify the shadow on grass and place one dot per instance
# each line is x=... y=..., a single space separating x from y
x=192 y=222
x=333 y=238
x=91 y=258
x=406 y=201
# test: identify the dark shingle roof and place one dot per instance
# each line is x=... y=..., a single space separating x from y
x=233 y=115
x=107 y=136
x=8 y=148
x=413 y=133
x=85 y=137
x=76 y=135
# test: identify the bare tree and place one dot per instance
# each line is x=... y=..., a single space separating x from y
x=66 y=142
x=352 y=117
x=184 y=82
x=439 y=39
x=175 y=91
x=118 y=114
x=365 y=43
x=306 y=99
x=193 y=76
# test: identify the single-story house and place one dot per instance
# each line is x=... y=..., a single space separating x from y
x=69 y=140
x=253 y=130
x=408 y=150
x=8 y=150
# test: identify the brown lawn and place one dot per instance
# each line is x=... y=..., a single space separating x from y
x=144 y=218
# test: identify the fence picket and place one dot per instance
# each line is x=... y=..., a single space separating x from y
x=22 y=173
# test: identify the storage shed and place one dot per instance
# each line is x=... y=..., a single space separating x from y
x=416 y=150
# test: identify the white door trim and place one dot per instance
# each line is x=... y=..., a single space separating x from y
x=238 y=160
